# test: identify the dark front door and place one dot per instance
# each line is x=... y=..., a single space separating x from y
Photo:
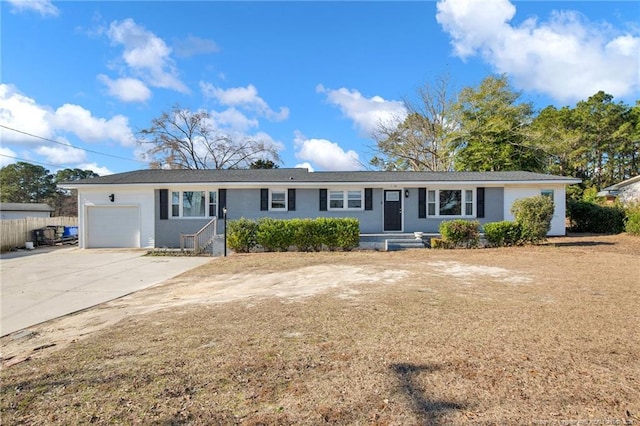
x=392 y=210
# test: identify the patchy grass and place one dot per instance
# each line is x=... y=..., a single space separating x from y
x=525 y=335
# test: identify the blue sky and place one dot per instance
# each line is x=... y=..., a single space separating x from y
x=311 y=78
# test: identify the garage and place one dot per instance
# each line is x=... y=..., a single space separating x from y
x=113 y=227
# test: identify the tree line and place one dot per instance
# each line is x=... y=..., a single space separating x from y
x=483 y=128
x=490 y=128
x=23 y=182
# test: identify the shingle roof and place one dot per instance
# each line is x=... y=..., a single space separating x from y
x=31 y=207
x=622 y=184
x=157 y=176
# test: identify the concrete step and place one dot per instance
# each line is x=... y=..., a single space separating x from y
x=402 y=243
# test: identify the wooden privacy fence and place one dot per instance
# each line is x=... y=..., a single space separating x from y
x=16 y=232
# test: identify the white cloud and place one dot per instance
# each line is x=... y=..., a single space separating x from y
x=101 y=171
x=43 y=7
x=62 y=155
x=193 y=45
x=23 y=113
x=366 y=113
x=146 y=54
x=126 y=89
x=233 y=119
x=244 y=97
x=80 y=121
x=325 y=154
x=6 y=156
x=305 y=165
x=566 y=57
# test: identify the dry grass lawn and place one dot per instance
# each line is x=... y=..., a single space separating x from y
x=544 y=335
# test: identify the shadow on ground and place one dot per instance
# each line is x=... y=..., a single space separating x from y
x=428 y=411
x=582 y=244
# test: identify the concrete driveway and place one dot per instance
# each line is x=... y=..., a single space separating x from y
x=49 y=284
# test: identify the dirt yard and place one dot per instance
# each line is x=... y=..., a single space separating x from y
x=545 y=335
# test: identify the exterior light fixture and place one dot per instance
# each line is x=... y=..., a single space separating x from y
x=406 y=193
x=112 y=197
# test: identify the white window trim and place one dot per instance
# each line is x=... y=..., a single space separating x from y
x=207 y=204
x=286 y=200
x=463 y=203
x=345 y=199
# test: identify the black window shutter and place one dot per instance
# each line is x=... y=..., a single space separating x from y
x=422 y=203
x=164 y=204
x=323 y=200
x=222 y=202
x=480 y=202
x=264 y=199
x=291 y=199
x=368 y=199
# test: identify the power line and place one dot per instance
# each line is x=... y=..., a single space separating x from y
x=72 y=146
x=33 y=161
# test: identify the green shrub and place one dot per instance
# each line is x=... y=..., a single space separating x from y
x=274 y=235
x=632 y=225
x=328 y=229
x=241 y=235
x=585 y=216
x=533 y=215
x=306 y=234
x=348 y=232
x=590 y=195
x=459 y=232
x=504 y=233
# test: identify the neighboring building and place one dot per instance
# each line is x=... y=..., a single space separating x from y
x=151 y=208
x=23 y=210
x=627 y=192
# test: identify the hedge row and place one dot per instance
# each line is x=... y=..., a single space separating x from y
x=244 y=235
x=585 y=216
x=504 y=233
x=460 y=233
x=532 y=223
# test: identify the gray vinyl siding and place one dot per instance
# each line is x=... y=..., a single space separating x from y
x=493 y=205
x=167 y=231
x=494 y=211
x=245 y=203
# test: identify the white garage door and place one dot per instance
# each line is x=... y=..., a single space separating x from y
x=113 y=227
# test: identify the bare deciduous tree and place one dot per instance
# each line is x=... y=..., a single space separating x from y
x=421 y=141
x=183 y=139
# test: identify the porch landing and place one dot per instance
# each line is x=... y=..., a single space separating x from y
x=390 y=241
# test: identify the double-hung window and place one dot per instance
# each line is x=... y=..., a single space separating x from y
x=348 y=199
x=336 y=200
x=468 y=202
x=278 y=199
x=194 y=204
x=450 y=202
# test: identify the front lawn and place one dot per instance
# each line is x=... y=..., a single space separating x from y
x=524 y=335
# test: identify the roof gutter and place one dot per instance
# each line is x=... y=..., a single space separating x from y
x=299 y=184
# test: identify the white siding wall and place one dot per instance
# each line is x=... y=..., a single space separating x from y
x=513 y=193
x=630 y=194
x=141 y=198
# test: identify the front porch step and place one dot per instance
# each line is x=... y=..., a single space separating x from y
x=402 y=244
